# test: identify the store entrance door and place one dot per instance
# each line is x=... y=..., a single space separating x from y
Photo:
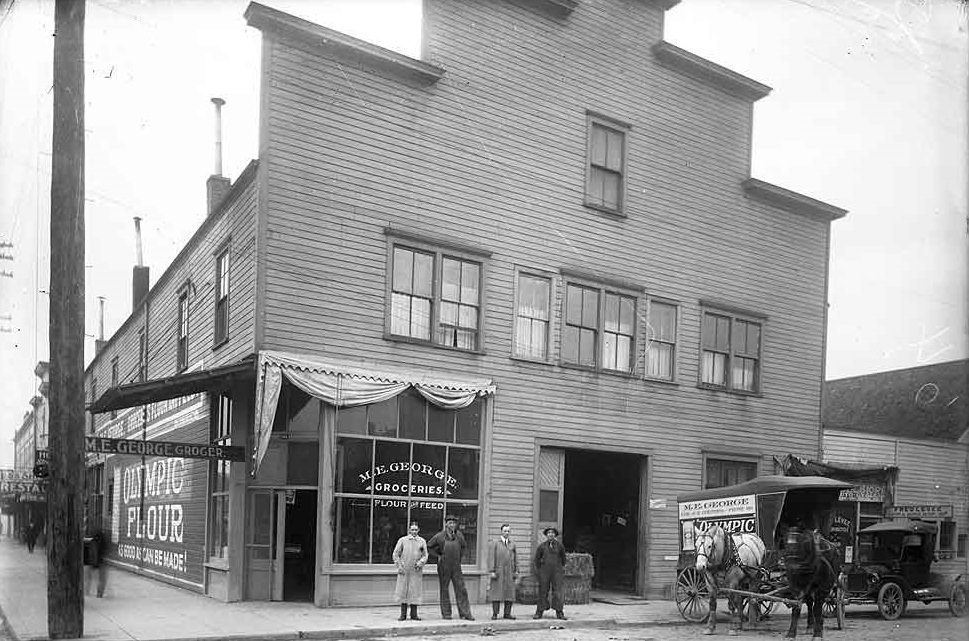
x=281 y=545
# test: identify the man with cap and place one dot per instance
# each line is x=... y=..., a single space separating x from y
x=449 y=546
x=549 y=565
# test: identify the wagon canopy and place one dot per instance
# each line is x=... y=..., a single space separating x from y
x=768 y=485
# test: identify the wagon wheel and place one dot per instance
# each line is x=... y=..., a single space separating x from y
x=891 y=601
x=957 y=600
x=834 y=606
x=692 y=596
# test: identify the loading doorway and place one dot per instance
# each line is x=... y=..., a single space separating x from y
x=601 y=514
x=281 y=545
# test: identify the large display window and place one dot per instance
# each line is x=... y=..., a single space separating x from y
x=399 y=461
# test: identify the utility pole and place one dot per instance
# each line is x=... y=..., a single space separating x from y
x=65 y=494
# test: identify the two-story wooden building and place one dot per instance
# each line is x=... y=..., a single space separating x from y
x=525 y=279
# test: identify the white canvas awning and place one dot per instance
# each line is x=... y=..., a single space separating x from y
x=348 y=385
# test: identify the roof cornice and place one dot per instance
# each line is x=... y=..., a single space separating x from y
x=339 y=45
x=693 y=65
x=792 y=201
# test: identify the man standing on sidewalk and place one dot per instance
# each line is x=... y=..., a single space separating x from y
x=549 y=565
x=503 y=563
x=410 y=555
x=449 y=546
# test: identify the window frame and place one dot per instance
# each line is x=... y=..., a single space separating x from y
x=114 y=381
x=734 y=316
x=439 y=251
x=222 y=300
x=727 y=457
x=550 y=323
x=593 y=120
x=675 y=344
x=219 y=501
x=603 y=289
x=182 y=320
x=142 y=355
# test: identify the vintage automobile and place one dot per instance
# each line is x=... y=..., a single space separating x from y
x=893 y=566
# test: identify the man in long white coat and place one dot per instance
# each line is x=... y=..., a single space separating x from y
x=410 y=555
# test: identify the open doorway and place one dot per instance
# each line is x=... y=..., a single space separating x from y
x=299 y=551
x=600 y=513
x=281 y=525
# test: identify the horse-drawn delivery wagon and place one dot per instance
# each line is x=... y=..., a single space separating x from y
x=760 y=542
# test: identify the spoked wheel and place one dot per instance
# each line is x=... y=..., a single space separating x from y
x=957 y=600
x=834 y=606
x=891 y=601
x=692 y=596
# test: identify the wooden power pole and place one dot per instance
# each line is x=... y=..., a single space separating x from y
x=65 y=494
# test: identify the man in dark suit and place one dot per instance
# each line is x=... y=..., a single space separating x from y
x=549 y=565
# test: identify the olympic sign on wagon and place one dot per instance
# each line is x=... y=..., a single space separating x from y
x=733 y=514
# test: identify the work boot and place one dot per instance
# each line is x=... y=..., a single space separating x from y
x=413 y=613
x=560 y=615
x=403 y=612
x=537 y=615
x=507 y=610
x=494 y=609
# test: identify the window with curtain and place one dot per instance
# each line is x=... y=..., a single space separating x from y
x=730 y=348
x=532 y=316
x=599 y=328
x=661 y=341
x=399 y=461
x=435 y=298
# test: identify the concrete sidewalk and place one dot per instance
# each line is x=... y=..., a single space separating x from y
x=138 y=608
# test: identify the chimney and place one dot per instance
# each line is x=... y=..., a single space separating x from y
x=99 y=342
x=217 y=186
x=139 y=275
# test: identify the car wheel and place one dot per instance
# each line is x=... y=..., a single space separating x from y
x=692 y=596
x=891 y=601
x=957 y=600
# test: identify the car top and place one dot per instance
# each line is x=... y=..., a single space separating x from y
x=910 y=527
x=770 y=484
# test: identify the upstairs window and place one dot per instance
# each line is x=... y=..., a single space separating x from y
x=181 y=347
x=114 y=380
x=599 y=328
x=661 y=341
x=220 y=433
x=222 y=297
x=142 y=355
x=724 y=472
x=532 y=316
x=606 y=170
x=435 y=298
x=730 y=352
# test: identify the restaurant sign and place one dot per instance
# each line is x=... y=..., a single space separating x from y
x=919 y=512
x=735 y=514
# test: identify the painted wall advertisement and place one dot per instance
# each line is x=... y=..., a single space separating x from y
x=733 y=514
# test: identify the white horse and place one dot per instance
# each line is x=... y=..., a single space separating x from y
x=735 y=560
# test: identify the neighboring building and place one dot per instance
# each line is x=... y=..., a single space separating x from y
x=916 y=422
x=31 y=437
x=526 y=279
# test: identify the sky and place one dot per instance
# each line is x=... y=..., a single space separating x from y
x=868 y=112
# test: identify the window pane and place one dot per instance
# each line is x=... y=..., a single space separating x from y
x=573 y=305
x=548 y=505
x=302 y=463
x=463 y=473
x=662 y=322
x=353 y=527
x=590 y=308
x=429 y=516
x=539 y=340
x=659 y=360
x=723 y=334
x=597 y=145
x=744 y=374
x=353 y=465
x=440 y=424
x=423 y=274
x=623 y=353
x=533 y=297
x=403 y=270
x=304 y=412
x=262 y=515
x=389 y=524
x=390 y=472
x=451 y=280
x=709 y=330
x=351 y=420
x=470 y=277
x=609 y=351
x=469 y=423
x=382 y=418
x=400 y=314
x=627 y=315
x=449 y=313
x=428 y=471
x=468 y=317
x=753 y=339
x=421 y=319
x=611 y=321
x=587 y=347
x=614 y=142
x=467 y=515
x=412 y=415
x=570 y=344
x=740 y=337
x=714 y=366
x=611 y=185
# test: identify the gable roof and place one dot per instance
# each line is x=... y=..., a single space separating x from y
x=927 y=402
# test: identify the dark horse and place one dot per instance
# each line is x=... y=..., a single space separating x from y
x=812 y=564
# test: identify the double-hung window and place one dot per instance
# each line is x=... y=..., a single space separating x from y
x=435 y=297
x=661 y=341
x=222 y=297
x=181 y=345
x=606 y=170
x=532 y=316
x=219 y=485
x=724 y=472
x=730 y=352
x=599 y=328
x=142 y=356
x=114 y=381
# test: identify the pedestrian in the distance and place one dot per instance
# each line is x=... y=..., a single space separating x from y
x=30 y=536
x=410 y=555
x=549 y=565
x=100 y=545
x=503 y=563
x=449 y=546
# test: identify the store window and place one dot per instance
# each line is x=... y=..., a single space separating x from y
x=221 y=430
x=399 y=461
x=724 y=472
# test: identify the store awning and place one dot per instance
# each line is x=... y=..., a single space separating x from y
x=348 y=385
x=162 y=389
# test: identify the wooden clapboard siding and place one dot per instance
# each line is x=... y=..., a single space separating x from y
x=493 y=156
x=859 y=449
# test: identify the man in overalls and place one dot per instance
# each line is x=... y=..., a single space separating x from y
x=449 y=546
